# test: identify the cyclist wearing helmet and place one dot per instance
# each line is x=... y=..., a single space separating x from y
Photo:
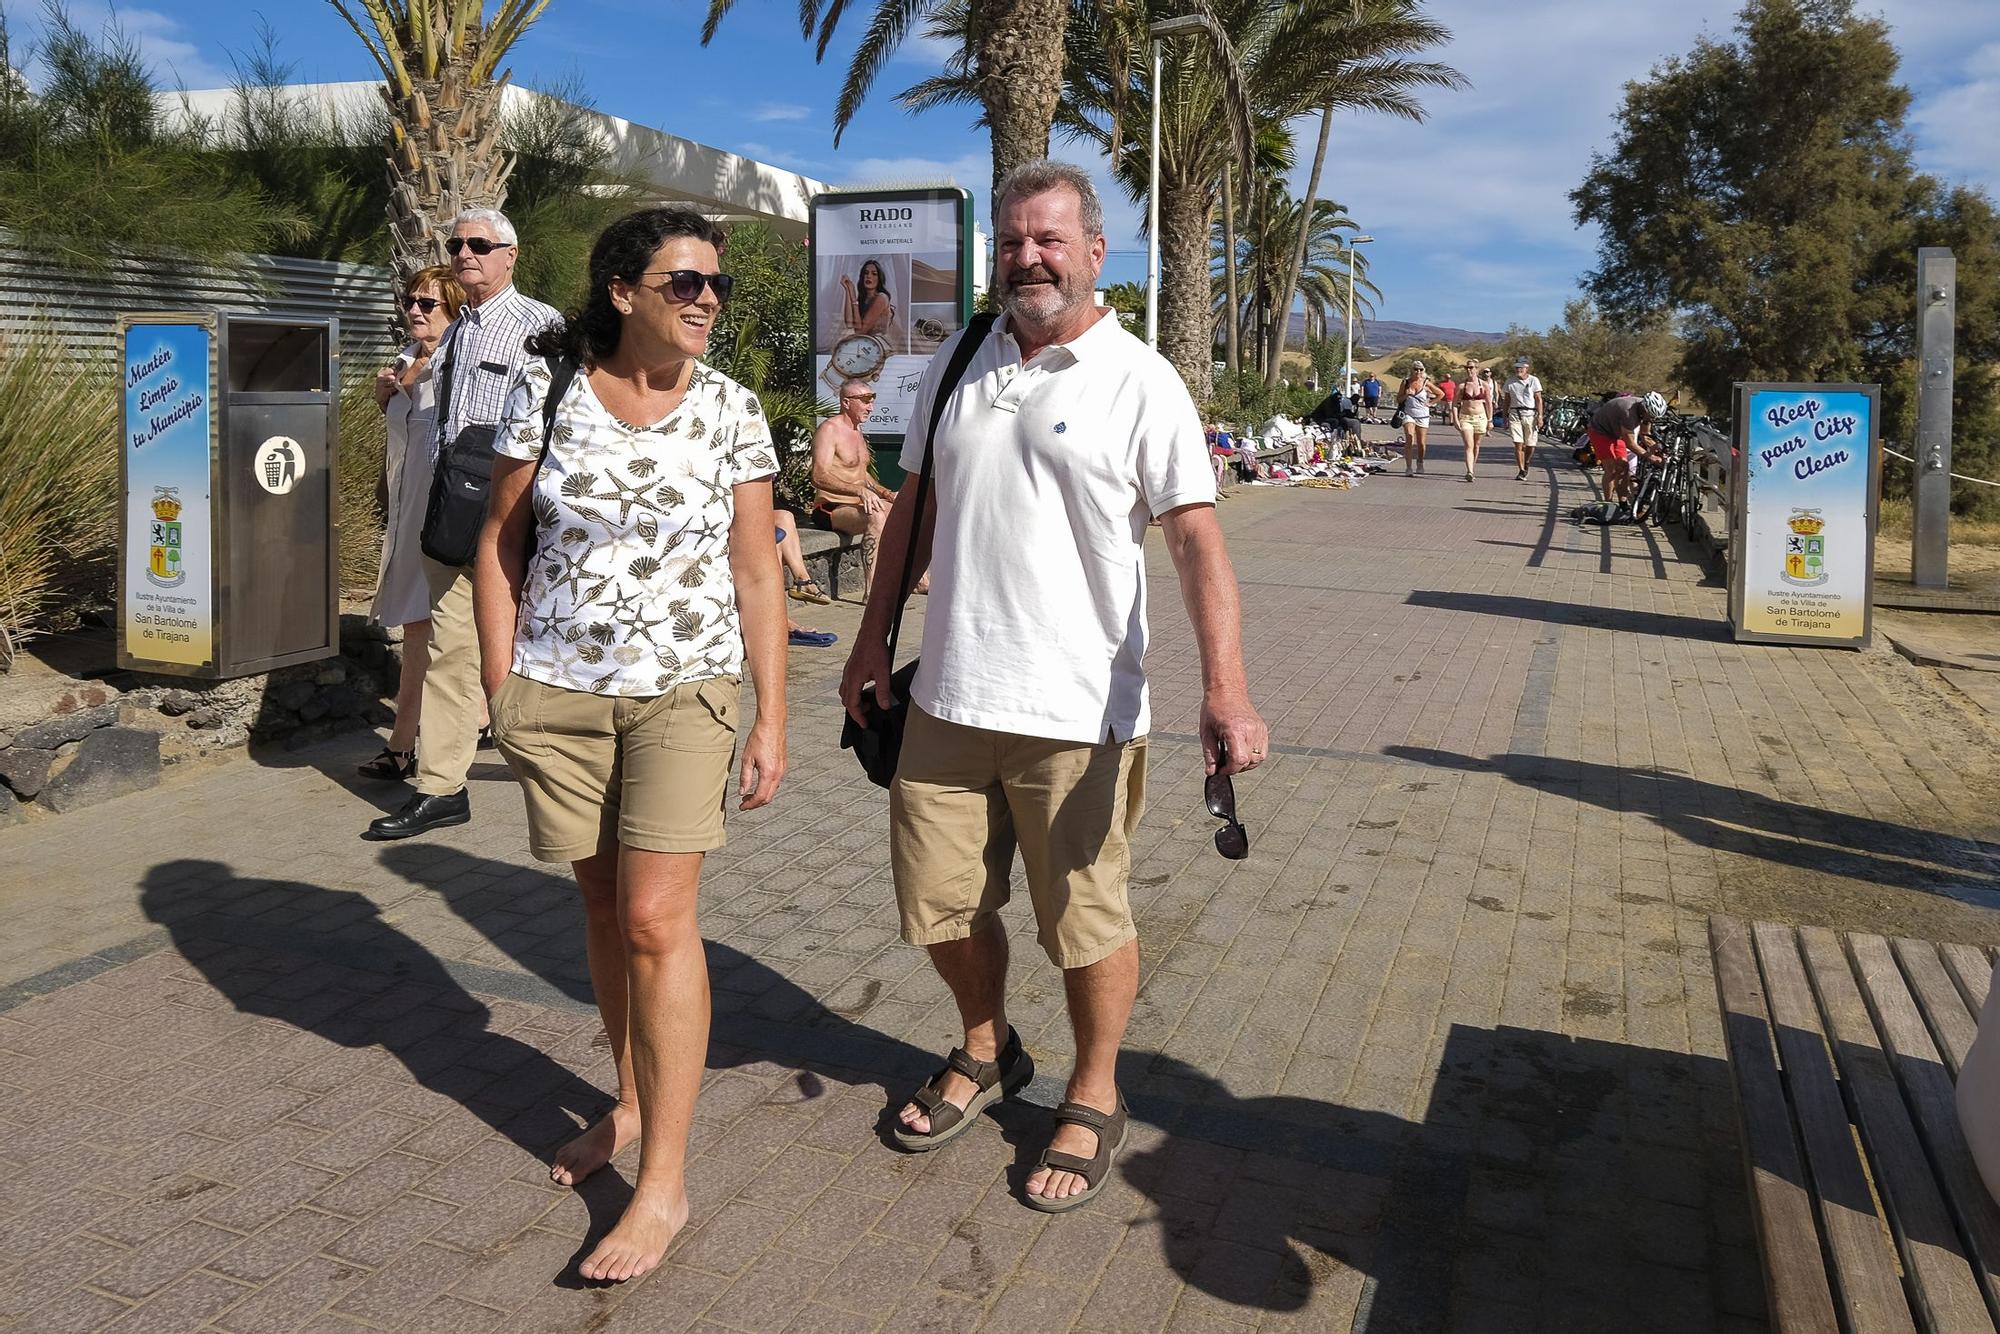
x=1614 y=428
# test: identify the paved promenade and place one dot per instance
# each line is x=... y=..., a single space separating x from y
x=1441 y=1055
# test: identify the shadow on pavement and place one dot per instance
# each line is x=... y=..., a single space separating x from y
x=1512 y=608
x=759 y=1013
x=1730 y=819
x=324 y=961
x=1551 y=1183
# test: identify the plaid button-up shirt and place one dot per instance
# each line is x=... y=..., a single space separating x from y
x=484 y=349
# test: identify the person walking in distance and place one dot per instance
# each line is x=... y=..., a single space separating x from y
x=1523 y=395
x=479 y=356
x=1413 y=399
x=1472 y=411
x=845 y=498
x=1028 y=716
x=626 y=575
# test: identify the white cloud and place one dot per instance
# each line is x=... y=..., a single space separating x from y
x=161 y=40
x=1954 y=123
x=774 y=111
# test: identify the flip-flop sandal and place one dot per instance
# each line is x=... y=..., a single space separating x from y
x=807 y=590
x=1096 y=1169
x=390 y=766
x=997 y=1079
x=814 y=638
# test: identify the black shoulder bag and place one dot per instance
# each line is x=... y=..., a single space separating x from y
x=879 y=742
x=456 y=510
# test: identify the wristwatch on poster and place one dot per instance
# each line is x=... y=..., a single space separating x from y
x=857 y=357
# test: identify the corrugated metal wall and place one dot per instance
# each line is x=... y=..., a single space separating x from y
x=85 y=307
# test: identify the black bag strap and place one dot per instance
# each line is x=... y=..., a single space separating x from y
x=976 y=330
x=445 y=376
x=562 y=372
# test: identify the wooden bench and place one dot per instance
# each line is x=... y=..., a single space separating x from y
x=1844 y=1049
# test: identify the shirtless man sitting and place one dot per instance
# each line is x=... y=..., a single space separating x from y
x=845 y=498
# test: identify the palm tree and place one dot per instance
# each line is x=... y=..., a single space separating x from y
x=1355 y=61
x=439 y=60
x=1109 y=71
x=1265 y=249
x=1010 y=60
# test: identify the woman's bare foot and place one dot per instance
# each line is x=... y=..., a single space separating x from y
x=642 y=1236
x=596 y=1146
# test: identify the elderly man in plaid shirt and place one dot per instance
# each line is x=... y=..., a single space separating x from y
x=480 y=352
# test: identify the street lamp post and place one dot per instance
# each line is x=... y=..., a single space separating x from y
x=1173 y=27
x=1347 y=370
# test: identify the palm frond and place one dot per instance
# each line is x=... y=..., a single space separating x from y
x=891 y=21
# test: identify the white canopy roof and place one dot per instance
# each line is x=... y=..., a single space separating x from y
x=723 y=185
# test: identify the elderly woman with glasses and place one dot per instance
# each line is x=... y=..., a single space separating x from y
x=625 y=575
x=406 y=393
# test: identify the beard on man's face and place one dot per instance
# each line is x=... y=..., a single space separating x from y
x=1039 y=292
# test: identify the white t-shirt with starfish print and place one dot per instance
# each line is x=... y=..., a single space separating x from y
x=629 y=589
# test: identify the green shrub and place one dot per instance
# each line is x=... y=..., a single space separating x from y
x=364 y=437
x=58 y=484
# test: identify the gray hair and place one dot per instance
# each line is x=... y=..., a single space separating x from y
x=503 y=230
x=1034 y=178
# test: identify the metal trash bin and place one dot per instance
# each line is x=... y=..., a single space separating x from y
x=229 y=559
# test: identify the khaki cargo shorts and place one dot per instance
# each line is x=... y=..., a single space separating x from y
x=1521 y=425
x=964 y=798
x=651 y=772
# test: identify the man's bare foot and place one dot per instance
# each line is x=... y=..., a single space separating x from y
x=957 y=1090
x=644 y=1232
x=596 y=1146
x=1054 y=1184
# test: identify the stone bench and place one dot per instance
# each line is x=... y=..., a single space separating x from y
x=834 y=560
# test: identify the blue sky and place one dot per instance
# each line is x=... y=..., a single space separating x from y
x=1469 y=209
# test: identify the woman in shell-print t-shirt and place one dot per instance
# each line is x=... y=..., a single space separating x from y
x=625 y=579
x=630 y=591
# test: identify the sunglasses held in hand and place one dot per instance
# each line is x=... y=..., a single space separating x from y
x=1232 y=840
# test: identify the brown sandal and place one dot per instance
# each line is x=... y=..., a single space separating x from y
x=1096 y=1169
x=997 y=1079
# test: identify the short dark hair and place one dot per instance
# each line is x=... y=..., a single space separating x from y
x=621 y=254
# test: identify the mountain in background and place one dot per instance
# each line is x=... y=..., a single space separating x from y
x=1380 y=336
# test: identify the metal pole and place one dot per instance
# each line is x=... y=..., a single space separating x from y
x=1930 y=536
x=1347 y=366
x=1153 y=216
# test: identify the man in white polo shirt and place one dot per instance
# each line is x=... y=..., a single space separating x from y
x=1029 y=714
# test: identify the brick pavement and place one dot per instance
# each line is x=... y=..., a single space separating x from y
x=1441 y=1055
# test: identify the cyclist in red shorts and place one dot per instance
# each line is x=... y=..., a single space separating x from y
x=1614 y=428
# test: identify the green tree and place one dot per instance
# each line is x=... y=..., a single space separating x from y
x=1761 y=190
x=1357 y=61
x=90 y=170
x=1589 y=354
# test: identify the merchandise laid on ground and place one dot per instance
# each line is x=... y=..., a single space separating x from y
x=1452 y=1049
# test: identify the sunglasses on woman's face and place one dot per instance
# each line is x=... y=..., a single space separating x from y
x=1232 y=840
x=478 y=245
x=425 y=304
x=686 y=284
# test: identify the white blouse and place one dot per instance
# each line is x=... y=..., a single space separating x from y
x=629 y=589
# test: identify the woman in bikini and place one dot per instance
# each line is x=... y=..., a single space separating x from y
x=1413 y=397
x=1472 y=412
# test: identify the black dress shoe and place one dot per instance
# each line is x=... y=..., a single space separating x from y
x=422 y=814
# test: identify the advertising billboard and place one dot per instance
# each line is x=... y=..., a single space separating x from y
x=1802 y=547
x=166 y=612
x=892 y=280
